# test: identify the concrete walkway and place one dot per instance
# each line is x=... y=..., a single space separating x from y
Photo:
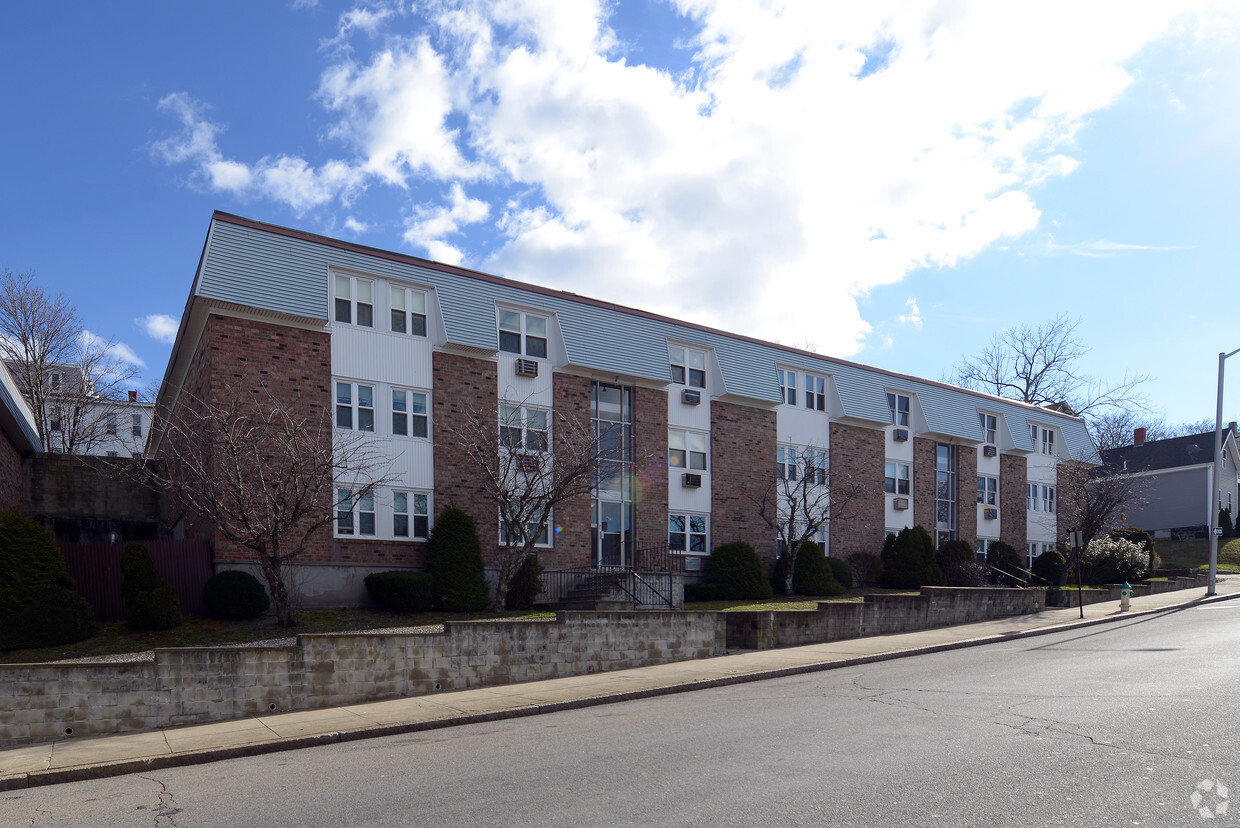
x=90 y=758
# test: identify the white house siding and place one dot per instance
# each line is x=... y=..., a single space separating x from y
x=681 y=415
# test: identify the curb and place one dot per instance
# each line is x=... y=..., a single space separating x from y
x=121 y=767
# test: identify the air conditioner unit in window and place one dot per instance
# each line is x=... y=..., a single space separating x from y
x=691 y=481
x=529 y=462
x=691 y=397
x=693 y=563
x=992 y=514
x=990 y=451
x=901 y=435
x=527 y=368
x=900 y=503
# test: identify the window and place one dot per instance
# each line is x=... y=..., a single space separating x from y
x=349 y=506
x=55 y=382
x=355 y=303
x=983 y=546
x=1048 y=499
x=522 y=428
x=112 y=454
x=815 y=466
x=110 y=424
x=686 y=450
x=401 y=512
x=1048 y=441
x=989 y=423
x=689 y=368
x=523 y=333
x=355 y=406
x=344 y=512
x=899 y=405
x=944 y=493
x=815 y=392
x=787 y=385
x=786 y=463
x=137 y=425
x=687 y=533
x=137 y=455
x=409 y=413
x=539 y=533
x=896 y=478
x=408 y=311
x=987 y=490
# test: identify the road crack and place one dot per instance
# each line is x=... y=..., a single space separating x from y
x=166 y=809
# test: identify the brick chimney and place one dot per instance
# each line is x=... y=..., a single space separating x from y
x=133 y=396
x=1138 y=436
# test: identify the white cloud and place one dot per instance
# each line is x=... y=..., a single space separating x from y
x=354 y=226
x=118 y=351
x=160 y=327
x=1103 y=249
x=913 y=317
x=764 y=189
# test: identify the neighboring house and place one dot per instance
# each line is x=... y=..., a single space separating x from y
x=77 y=419
x=1179 y=498
x=123 y=427
x=18 y=439
x=397 y=348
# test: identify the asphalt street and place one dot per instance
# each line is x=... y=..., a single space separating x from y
x=1119 y=724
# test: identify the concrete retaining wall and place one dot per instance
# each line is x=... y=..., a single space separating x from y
x=40 y=702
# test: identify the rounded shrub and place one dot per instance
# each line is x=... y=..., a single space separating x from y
x=1140 y=536
x=959 y=564
x=1050 y=568
x=150 y=601
x=52 y=615
x=909 y=561
x=235 y=595
x=454 y=558
x=867 y=569
x=1109 y=560
x=1006 y=565
x=811 y=574
x=700 y=592
x=29 y=559
x=842 y=572
x=525 y=585
x=736 y=572
x=400 y=590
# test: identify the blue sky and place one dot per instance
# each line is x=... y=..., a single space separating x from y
x=890 y=182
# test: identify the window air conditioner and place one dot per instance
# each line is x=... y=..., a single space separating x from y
x=693 y=563
x=527 y=368
x=691 y=397
x=529 y=462
x=900 y=503
x=990 y=451
x=901 y=435
x=992 y=514
x=691 y=481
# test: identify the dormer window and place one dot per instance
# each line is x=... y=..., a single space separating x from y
x=989 y=424
x=408 y=311
x=689 y=368
x=787 y=386
x=355 y=301
x=1047 y=443
x=815 y=392
x=899 y=406
x=523 y=333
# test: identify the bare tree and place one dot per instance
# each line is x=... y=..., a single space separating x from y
x=801 y=502
x=1040 y=365
x=264 y=478
x=72 y=379
x=1115 y=429
x=529 y=462
x=1093 y=501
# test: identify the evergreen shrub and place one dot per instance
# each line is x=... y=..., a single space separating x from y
x=235 y=595
x=958 y=562
x=811 y=574
x=700 y=592
x=736 y=572
x=525 y=585
x=842 y=572
x=400 y=590
x=29 y=559
x=52 y=615
x=1050 y=569
x=867 y=568
x=454 y=558
x=909 y=561
x=150 y=601
x=1006 y=565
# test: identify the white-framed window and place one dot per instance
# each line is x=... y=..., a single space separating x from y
x=113 y=454
x=410 y=413
x=524 y=428
x=900 y=408
x=411 y=516
x=786 y=463
x=55 y=382
x=523 y=333
x=1048 y=499
x=815 y=392
x=896 y=477
x=542 y=537
x=686 y=449
x=109 y=423
x=688 y=533
x=983 y=546
x=787 y=385
x=137 y=455
x=355 y=301
x=688 y=367
x=1031 y=497
x=355 y=406
x=136 y=425
x=408 y=308
x=987 y=490
x=1047 y=444
x=355 y=513
x=815 y=466
x=989 y=424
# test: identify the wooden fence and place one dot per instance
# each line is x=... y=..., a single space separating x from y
x=96 y=569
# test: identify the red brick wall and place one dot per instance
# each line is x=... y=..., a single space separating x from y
x=966 y=494
x=923 y=483
x=857 y=456
x=571 y=400
x=10 y=475
x=464 y=387
x=742 y=456
x=1013 y=474
x=650 y=454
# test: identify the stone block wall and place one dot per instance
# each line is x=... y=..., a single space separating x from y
x=40 y=702
x=857 y=457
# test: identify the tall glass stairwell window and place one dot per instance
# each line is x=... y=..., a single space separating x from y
x=611 y=509
x=945 y=506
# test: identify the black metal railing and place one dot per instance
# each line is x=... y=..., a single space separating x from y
x=647 y=580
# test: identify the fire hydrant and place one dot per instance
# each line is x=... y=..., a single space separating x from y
x=1125 y=597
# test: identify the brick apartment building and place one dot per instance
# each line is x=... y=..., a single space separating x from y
x=397 y=347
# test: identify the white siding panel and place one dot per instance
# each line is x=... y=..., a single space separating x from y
x=381 y=357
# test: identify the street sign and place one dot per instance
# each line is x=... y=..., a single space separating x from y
x=1218 y=531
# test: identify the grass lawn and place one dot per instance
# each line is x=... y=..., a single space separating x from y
x=1195 y=554
x=205 y=632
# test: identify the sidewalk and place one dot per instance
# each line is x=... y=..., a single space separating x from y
x=91 y=758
